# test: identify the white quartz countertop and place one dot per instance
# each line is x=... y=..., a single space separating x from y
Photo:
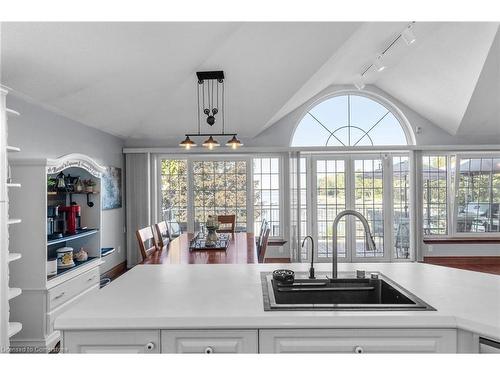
x=229 y=296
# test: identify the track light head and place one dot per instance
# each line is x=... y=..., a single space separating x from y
x=359 y=82
x=379 y=63
x=408 y=36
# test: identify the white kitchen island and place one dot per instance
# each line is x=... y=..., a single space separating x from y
x=219 y=308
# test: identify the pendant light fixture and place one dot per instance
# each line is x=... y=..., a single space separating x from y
x=234 y=143
x=211 y=104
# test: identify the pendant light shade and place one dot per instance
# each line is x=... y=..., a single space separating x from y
x=187 y=143
x=211 y=143
x=234 y=143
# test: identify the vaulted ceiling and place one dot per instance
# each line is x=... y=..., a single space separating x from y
x=137 y=80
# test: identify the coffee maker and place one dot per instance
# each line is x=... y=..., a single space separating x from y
x=73 y=216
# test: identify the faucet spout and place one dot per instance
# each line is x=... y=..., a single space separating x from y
x=370 y=243
x=311 y=268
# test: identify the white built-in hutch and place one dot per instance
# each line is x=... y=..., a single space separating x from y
x=46 y=296
x=9 y=290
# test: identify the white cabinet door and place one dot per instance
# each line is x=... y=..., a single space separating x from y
x=209 y=341
x=358 y=341
x=111 y=341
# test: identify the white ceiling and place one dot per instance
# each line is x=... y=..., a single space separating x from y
x=137 y=80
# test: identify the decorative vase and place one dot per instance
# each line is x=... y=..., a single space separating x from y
x=212 y=237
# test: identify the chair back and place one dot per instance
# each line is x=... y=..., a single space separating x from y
x=263 y=226
x=174 y=229
x=263 y=246
x=227 y=223
x=161 y=234
x=145 y=237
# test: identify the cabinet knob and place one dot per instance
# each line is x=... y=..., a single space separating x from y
x=209 y=350
x=150 y=345
x=358 y=350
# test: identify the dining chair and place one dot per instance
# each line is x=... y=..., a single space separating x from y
x=263 y=247
x=174 y=229
x=227 y=223
x=161 y=235
x=145 y=237
x=264 y=225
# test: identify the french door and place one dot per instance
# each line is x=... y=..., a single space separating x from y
x=349 y=182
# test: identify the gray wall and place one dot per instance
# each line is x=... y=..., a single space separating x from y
x=44 y=134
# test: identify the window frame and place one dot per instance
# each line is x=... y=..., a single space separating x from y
x=282 y=190
x=396 y=112
x=218 y=157
x=388 y=204
x=452 y=195
x=454 y=214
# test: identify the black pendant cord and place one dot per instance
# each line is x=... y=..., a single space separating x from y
x=203 y=95
x=223 y=106
x=199 y=128
x=217 y=82
x=212 y=95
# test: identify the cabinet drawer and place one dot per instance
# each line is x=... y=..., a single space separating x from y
x=52 y=315
x=112 y=341
x=209 y=341
x=358 y=341
x=71 y=288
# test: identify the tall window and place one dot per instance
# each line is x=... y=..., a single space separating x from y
x=219 y=188
x=330 y=200
x=173 y=192
x=435 y=194
x=304 y=227
x=478 y=195
x=266 y=187
x=401 y=206
x=349 y=120
x=368 y=191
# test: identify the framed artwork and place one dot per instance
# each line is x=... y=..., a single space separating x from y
x=111 y=188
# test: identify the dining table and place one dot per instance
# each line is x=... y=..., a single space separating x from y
x=241 y=250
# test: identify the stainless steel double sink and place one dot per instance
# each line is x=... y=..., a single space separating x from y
x=345 y=293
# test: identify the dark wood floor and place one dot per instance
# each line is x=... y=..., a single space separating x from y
x=487 y=264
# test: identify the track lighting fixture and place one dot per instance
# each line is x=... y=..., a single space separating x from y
x=378 y=65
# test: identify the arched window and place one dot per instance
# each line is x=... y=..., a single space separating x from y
x=349 y=120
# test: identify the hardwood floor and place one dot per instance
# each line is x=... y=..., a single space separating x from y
x=277 y=260
x=116 y=271
x=487 y=264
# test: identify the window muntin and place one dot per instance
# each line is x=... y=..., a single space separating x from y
x=368 y=195
x=435 y=194
x=173 y=190
x=266 y=188
x=220 y=188
x=478 y=195
x=401 y=206
x=349 y=120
